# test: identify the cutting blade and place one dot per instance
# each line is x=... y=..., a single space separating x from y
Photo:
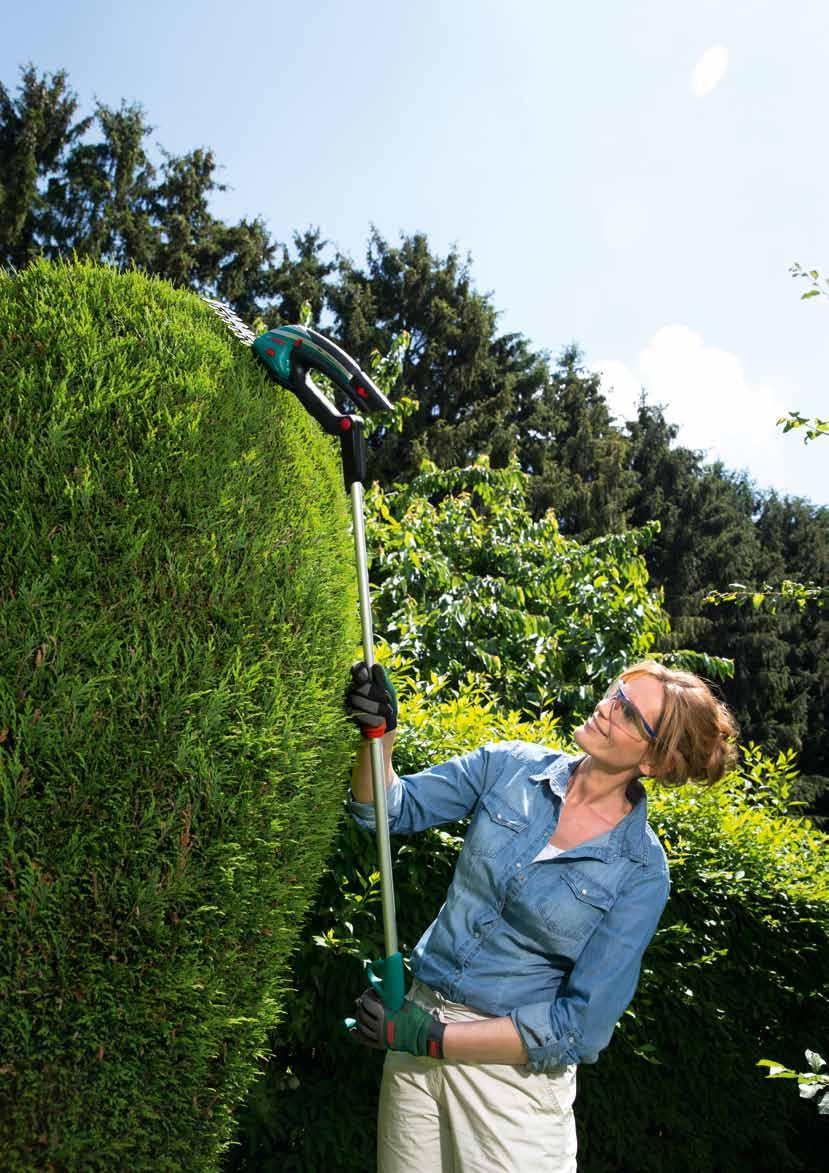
x=242 y=331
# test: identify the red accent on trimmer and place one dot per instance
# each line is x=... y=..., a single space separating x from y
x=297 y=342
x=362 y=391
x=373 y=731
x=432 y=1047
x=278 y=341
x=345 y=424
x=390 y=1033
x=270 y=350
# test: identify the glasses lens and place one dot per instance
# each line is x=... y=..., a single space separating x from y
x=632 y=717
x=628 y=711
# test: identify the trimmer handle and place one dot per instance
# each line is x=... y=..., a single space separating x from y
x=291 y=352
x=388 y=978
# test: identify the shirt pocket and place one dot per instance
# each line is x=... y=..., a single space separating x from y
x=574 y=907
x=494 y=827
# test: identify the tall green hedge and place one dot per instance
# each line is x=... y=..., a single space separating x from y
x=736 y=973
x=177 y=614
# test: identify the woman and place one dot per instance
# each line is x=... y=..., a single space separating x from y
x=536 y=952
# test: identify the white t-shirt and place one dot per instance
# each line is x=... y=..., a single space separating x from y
x=548 y=851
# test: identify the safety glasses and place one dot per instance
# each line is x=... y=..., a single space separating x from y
x=634 y=721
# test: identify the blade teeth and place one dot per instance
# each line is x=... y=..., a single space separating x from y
x=231 y=319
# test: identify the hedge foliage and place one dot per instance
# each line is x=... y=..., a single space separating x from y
x=735 y=973
x=176 y=596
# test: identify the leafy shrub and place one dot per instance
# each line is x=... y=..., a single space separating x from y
x=736 y=971
x=176 y=590
x=812 y=791
x=468 y=582
x=812 y=1084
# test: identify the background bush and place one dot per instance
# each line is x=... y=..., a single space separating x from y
x=176 y=597
x=467 y=582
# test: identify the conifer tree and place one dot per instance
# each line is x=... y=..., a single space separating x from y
x=100 y=203
x=300 y=278
x=36 y=129
x=574 y=453
x=466 y=378
x=90 y=187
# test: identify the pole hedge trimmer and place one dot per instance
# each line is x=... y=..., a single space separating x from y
x=289 y=354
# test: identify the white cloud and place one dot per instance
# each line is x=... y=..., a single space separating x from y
x=709 y=70
x=708 y=386
x=706 y=392
x=620 y=387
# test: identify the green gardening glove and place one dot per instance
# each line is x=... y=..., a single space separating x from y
x=409 y=1029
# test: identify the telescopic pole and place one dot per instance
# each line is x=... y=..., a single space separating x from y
x=378 y=769
x=387 y=974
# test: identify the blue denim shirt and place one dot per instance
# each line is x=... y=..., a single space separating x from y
x=555 y=945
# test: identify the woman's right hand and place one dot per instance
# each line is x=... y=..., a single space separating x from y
x=370 y=699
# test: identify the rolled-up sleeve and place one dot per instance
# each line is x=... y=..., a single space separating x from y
x=439 y=794
x=580 y=1021
x=363 y=812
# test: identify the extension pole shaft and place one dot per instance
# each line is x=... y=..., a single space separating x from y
x=378 y=770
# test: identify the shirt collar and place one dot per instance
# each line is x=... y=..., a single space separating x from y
x=631 y=833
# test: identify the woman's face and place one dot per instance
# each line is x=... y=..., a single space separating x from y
x=614 y=735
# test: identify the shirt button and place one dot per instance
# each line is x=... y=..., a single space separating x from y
x=584 y=891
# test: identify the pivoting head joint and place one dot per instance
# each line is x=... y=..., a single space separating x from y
x=289 y=354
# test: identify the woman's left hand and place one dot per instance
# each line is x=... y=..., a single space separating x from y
x=409 y=1029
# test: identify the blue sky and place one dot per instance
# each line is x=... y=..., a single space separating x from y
x=637 y=178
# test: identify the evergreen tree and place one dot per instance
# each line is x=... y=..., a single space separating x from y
x=62 y=192
x=99 y=204
x=299 y=279
x=716 y=528
x=481 y=393
x=575 y=455
x=466 y=379
x=36 y=130
x=794 y=538
x=704 y=514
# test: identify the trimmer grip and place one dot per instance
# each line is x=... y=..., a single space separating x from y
x=361 y=389
x=389 y=982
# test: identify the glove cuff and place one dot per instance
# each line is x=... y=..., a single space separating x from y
x=434 y=1039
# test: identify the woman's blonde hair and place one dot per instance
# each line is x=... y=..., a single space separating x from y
x=696 y=737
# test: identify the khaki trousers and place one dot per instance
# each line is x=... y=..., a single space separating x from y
x=445 y=1117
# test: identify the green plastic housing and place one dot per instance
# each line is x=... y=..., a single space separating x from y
x=388 y=978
